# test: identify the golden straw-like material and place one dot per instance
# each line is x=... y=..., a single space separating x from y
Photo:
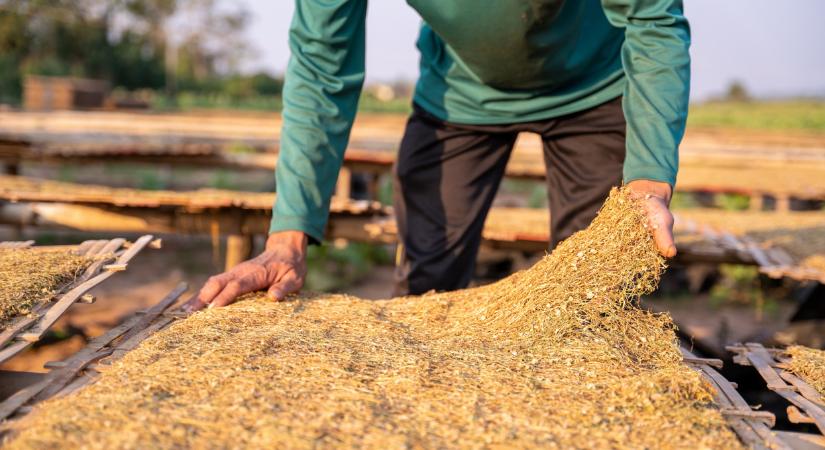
x=555 y=356
x=808 y=364
x=29 y=277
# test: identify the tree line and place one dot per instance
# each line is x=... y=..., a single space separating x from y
x=173 y=48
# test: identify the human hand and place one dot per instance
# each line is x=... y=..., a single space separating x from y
x=280 y=269
x=656 y=197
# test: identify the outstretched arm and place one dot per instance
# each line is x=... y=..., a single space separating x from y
x=322 y=86
x=656 y=62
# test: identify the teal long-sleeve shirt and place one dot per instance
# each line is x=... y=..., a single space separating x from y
x=485 y=62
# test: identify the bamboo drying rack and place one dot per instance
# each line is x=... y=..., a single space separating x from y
x=112 y=256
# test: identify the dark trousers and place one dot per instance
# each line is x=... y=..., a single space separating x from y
x=447 y=175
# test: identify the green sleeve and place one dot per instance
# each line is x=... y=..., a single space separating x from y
x=657 y=67
x=322 y=84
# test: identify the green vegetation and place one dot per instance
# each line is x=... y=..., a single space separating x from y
x=732 y=202
x=742 y=285
x=534 y=192
x=368 y=103
x=796 y=115
x=139 y=47
x=135 y=45
x=334 y=266
x=683 y=200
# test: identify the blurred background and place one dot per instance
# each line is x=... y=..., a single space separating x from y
x=131 y=116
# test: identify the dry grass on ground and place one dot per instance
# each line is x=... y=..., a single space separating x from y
x=554 y=356
x=29 y=277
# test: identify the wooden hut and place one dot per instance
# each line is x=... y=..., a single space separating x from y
x=55 y=93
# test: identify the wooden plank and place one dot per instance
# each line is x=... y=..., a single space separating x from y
x=108 y=248
x=136 y=339
x=94 y=247
x=107 y=338
x=11 y=245
x=61 y=377
x=128 y=340
x=780 y=256
x=751 y=429
x=83 y=247
x=20 y=398
x=115 y=267
x=765 y=363
x=805 y=389
x=710 y=234
x=759 y=428
x=86 y=248
x=763 y=416
x=813 y=411
x=11 y=332
x=713 y=362
x=11 y=404
x=802 y=441
x=12 y=350
x=82 y=380
x=761 y=360
x=731 y=241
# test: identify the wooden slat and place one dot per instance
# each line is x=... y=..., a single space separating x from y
x=713 y=362
x=108 y=248
x=139 y=331
x=11 y=332
x=766 y=364
x=94 y=247
x=13 y=349
x=139 y=337
x=805 y=389
x=61 y=377
x=54 y=378
x=82 y=380
x=802 y=441
x=761 y=360
x=10 y=245
x=751 y=426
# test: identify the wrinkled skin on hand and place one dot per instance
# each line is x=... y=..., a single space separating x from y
x=280 y=269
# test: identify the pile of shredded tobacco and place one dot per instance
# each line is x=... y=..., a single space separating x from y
x=556 y=356
x=29 y=277
x=808 y=364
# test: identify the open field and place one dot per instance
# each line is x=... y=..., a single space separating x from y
x=786 y=116
x=777 y=115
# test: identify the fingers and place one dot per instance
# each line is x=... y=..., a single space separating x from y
x=230 y=292
x=663 y=237
x=660 y=221
x=242 y=281
x=289 y=283
x=213 y=286
x=223 y=289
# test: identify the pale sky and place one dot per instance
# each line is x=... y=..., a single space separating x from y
x=776 y=47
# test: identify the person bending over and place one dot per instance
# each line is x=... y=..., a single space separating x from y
x=604 y=83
